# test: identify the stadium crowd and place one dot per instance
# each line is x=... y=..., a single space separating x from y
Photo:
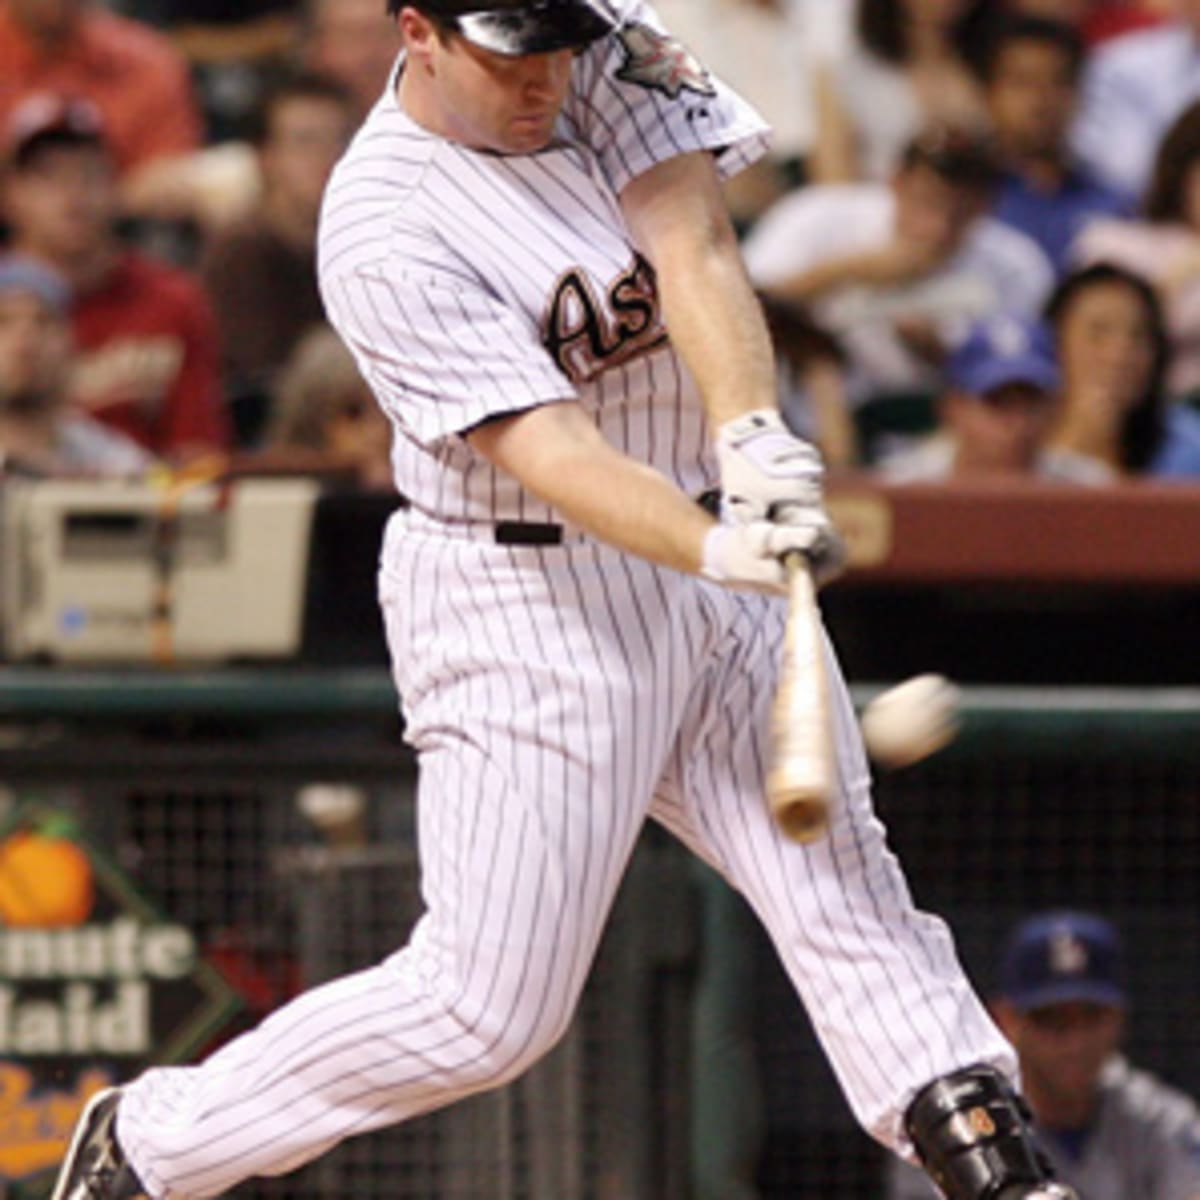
x=976 y=237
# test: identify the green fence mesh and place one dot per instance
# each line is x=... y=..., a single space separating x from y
x=1050 y=797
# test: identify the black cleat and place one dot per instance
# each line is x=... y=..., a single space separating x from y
x=94 y=1167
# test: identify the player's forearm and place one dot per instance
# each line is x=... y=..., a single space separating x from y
x=677 y=214
x=633 y=507
x=717 y=326
x=558 y=454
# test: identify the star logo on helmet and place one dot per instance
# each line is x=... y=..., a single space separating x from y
x=656 y=60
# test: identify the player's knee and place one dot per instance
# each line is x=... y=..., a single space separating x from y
x=506 y=1048
x=972 y=1133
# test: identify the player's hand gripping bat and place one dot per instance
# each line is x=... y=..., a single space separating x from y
x=802 y=777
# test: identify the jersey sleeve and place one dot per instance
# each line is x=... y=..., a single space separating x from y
x=1177 y=1158
x=1181 y=1174
x=641 y=97
x=441 y=355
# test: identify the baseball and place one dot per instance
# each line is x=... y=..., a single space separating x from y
x=910 y=721
x=337 y=810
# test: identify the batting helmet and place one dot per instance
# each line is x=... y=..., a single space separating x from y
x=520 y=26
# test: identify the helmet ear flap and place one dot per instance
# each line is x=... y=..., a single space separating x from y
x=973 y=1136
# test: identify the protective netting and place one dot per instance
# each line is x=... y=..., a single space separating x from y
x=1084 y=799
x=1049 y=798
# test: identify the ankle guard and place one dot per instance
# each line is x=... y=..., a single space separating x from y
x=972 y=1133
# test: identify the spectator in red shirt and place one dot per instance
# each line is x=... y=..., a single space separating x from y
x=133 y=75
x=146 y=333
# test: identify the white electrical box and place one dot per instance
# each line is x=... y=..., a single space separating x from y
x=99 y=571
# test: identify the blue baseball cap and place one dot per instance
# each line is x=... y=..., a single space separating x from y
x=21 y=274
x=1063 y=958
x=1002 y=351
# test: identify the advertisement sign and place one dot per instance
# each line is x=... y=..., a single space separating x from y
x=95 y=985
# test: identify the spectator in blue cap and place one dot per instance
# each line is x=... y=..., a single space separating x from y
x=995 y=413
x=1112 y=1132
x=1063 y=957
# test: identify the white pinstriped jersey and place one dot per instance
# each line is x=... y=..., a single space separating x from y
x=470 y=284
x=558 y=695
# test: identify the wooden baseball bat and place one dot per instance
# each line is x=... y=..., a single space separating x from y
x=801 y=776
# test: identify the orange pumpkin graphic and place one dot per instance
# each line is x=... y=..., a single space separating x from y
x=45 y=880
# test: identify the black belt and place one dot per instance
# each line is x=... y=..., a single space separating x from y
x=516 y=533
x=527 y=533
x=548 y=533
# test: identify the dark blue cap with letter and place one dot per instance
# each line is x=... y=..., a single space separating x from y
x=1002 y=351
x=1063 y=958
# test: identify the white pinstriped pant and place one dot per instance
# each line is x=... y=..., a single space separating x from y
x=557 y=695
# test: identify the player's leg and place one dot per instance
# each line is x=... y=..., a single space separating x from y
x=539 y=755
x=880 y=979
x=486 y=984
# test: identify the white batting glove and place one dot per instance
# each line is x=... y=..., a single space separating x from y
x=767 y=473
x=750 y=556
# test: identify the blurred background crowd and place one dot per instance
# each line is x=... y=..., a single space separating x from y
x=162 y=171
x=977 y=238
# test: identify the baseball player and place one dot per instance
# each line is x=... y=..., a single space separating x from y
x=527 y=251
x=1112 y=1131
